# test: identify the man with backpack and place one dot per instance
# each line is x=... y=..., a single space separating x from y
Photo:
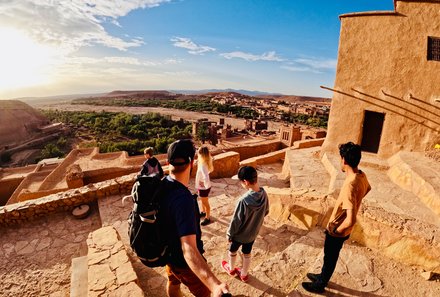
x=180 y=214
x=151 y=165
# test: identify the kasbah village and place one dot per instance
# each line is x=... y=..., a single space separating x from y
x=63 y=227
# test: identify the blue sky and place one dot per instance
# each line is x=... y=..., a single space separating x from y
x=74 y=47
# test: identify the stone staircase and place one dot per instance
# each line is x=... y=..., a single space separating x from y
x=79 y=277
x=106 y=270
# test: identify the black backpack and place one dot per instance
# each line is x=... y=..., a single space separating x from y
x=144 y=227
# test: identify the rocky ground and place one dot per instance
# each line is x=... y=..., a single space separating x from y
x=37 y=255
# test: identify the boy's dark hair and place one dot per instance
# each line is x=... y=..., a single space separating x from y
x=351 y=153
x=247 y=173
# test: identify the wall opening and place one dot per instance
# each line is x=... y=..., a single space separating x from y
x=433 y=48
x=372 y=131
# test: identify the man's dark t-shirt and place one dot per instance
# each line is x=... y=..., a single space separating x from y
x=180 y=213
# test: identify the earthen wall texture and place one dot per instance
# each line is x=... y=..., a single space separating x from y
x=225 y=165
x=25 y=184
x=383 y=67
x=7 y=187
x=58 y=174
x=308 y=143
x=253 y=150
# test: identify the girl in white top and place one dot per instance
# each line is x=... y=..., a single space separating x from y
x=203 y=184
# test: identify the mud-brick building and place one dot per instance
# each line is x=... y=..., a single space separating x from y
x=387 y=86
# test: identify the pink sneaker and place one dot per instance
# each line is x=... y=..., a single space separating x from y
x=244 y=278
x=225 y=266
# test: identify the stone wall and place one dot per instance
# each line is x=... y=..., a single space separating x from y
x=399 y=237
x=10 y=179
x=253 y=150
x=99 y=175
x=29 y=210
x=110 y=272
x=26 y=195
x=416 y=173
x=308 y=143
x=292 y=207
x=7 y=188
x=266 y=158
x=225 y=165
x=32 y=178
x=54 y=177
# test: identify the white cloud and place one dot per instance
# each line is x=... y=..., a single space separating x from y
x=317 y=63
x=314 y=65
x=269 y=56
x=71 y=24
x=192 y=47
x=180 y=73
x=121 y=60
x=300 y=69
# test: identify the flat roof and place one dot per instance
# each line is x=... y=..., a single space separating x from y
x=371 y=13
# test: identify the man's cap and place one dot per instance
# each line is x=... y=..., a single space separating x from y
x=181 y=152
x=247 y=173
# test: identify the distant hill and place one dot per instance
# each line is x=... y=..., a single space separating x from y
x=147 y=93
x=163 y=94
x=243 y=92
x=54 y=99
x=170 y=94
x=18 y=122
x=293 y=98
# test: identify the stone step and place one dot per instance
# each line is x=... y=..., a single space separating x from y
x=416 y=173
x=79 y=279
x=306 y=171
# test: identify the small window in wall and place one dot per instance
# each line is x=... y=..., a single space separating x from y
x=433 y=48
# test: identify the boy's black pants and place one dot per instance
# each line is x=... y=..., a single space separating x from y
x=332 y=247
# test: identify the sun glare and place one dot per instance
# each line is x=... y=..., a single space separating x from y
x=23 y=62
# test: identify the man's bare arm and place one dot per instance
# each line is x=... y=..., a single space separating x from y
x=199 y=266
x=349 y=221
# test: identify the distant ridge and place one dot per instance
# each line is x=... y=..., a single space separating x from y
x=243 y=92
x=138 y=92
x=172 y=93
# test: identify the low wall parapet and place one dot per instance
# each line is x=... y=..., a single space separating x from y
x=28 y=210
